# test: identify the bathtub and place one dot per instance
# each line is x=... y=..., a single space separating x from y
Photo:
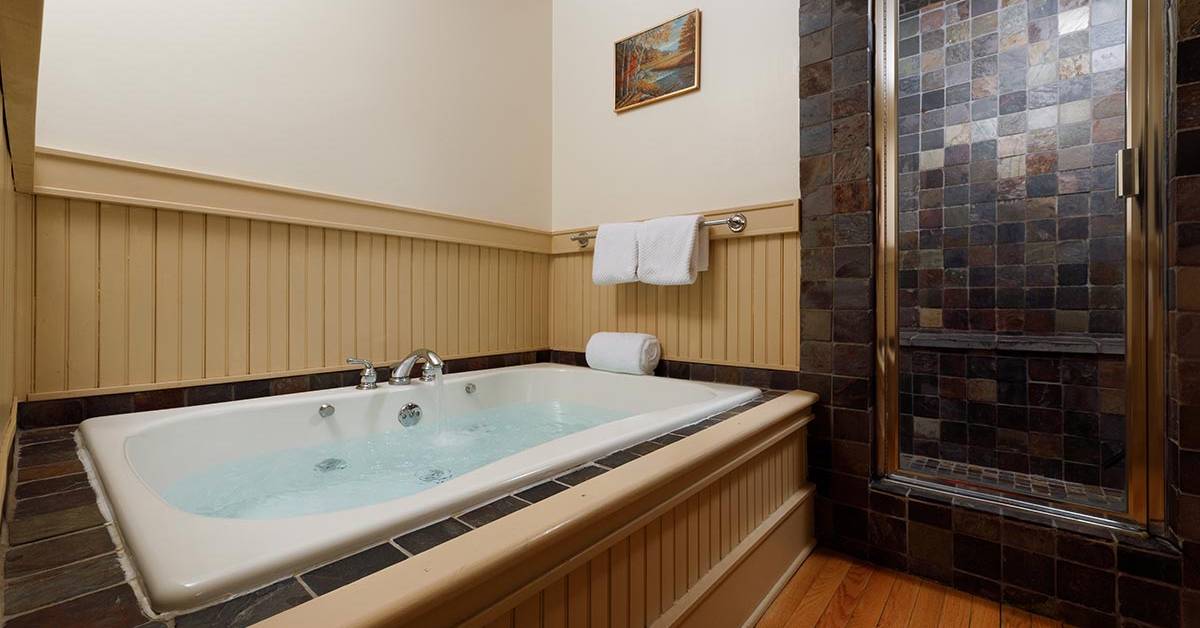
x=219 y=499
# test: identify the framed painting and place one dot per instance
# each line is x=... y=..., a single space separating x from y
x=657 y=63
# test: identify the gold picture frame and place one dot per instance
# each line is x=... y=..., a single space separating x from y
x=660 y=62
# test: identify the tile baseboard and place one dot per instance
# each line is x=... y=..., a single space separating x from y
x=73 y=410
x=703 y=372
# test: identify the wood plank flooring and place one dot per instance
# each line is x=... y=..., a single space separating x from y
x=831 y=591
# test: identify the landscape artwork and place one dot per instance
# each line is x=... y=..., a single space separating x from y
x=658 y=63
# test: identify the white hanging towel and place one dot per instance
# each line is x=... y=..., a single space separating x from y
x=616 y=255
x=619 y=352
x=671 y=251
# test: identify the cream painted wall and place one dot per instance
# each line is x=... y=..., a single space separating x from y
x=439 y=105
x=734 y=142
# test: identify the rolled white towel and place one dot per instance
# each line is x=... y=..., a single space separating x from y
x=637 y=354
x=616 y=257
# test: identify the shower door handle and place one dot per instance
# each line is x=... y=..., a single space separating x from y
x=1128 y=173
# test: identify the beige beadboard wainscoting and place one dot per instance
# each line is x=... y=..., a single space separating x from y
x=703 y=532
x=16 y=296
x=129 y=296
x=744 y=311
x=145 y=277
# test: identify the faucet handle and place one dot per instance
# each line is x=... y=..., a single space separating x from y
x=368 y=379
x=431 y=370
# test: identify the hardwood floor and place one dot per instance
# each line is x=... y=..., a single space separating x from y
x=831 y=590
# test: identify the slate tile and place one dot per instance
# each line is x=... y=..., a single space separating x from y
x=56 y=585
x=616 y=459
x=51 y=413
x=490 y=512
x=431 y=535
x=23 y=560
x=580 y=475
x=52 y=485
x=30 y=437
x=47 y=453
x=541 y=491
x=43 y=517
x=250 y=608
x=337 y=574
x=41 y=472
x=115 y=607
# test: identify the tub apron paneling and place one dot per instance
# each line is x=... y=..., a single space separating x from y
x=662 y=573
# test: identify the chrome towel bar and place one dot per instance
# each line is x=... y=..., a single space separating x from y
x=736 y=223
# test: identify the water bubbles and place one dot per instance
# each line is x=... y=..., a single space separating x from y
x=435 y=476
x=386 y=465
x=330 y=464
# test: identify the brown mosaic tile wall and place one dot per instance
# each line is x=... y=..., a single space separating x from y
x=1009 y=117
x=1085 y=576
x=836 y=253
x=1183 y=259
x=1060 y=417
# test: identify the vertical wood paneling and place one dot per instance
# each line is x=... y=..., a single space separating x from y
x=142 y=324
x=130 y=295
x=298 y=307
x=16 y=294
x=634 y=580
x=216 y=296
x=83 y=324
x=167 y=289
x=237 y=291
x=277 y=300
x=347 y=305
x=259 y=301
x=191 y=297
x=51 y=304
x=554 y=605
x=23 y=323
x=114 y=340
x=743 y=311
x=314 y=302
x=375 y=305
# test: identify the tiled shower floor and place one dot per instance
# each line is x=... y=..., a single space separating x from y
x=1011 y=481
x=64 y=565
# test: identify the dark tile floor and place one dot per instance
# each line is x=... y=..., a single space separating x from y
x=64 y=567
x=1023 y=483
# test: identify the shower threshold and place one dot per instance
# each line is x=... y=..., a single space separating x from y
x=1037 y=486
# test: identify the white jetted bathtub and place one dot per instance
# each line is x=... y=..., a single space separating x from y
x=223 y=498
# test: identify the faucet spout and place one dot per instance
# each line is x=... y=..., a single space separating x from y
x=434 y=366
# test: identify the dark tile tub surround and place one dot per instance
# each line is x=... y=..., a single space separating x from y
x=1087 y=576
x=61 y=565
x=62 y=412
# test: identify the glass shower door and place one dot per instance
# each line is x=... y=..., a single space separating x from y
x=1005 y=291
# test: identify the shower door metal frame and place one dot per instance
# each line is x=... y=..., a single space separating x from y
x=1145 y=322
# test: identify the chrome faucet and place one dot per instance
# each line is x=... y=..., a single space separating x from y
x=433 y=367
x=367 y=380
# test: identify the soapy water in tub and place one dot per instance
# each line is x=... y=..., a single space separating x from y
x=376 y=468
